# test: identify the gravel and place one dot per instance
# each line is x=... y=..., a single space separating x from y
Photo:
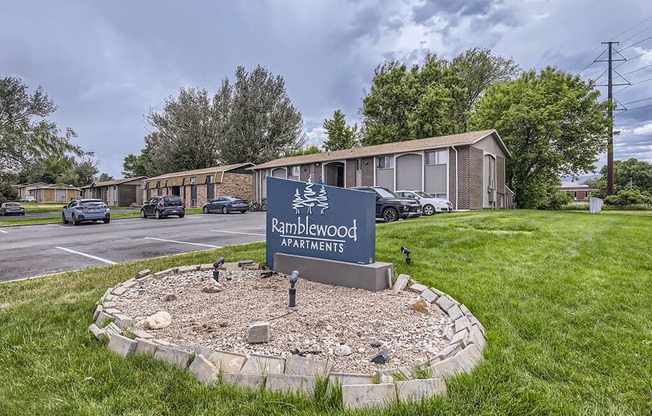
x=326 y=320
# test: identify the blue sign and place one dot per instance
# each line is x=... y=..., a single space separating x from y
x=316 y=220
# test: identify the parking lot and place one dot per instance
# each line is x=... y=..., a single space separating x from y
x=36 y=250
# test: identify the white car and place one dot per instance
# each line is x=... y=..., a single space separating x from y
x=429 y=204
x=29 y=198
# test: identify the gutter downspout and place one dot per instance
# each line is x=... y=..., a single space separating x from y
x=456 y=181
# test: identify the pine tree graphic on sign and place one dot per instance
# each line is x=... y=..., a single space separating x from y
x=322 y=200
x=309 y=196
x=297 y=202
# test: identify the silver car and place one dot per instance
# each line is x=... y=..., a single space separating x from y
x=12 y=208
x=80 y=210
x=429 y=203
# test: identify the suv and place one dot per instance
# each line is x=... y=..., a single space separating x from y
x=389 y=206
x=80 y=210
x=162 y=206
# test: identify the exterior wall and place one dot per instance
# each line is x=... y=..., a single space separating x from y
x=489 y=145
x=435 y=179
x=501 y=197
x=452 y=172
x=385 y=178
x=463 y=181
x=409 y=172
x=476 y=169
x=349 y=173
x=368 y=171
x=236 y=184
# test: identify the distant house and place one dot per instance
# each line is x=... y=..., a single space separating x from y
x=45 y=192
x=117 y=193
x=197 y=186
x=468 y=169
x=580 y=193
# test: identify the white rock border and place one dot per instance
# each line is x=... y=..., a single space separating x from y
x=297 y=374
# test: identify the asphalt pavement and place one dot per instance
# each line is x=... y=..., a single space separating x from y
x=34 y=250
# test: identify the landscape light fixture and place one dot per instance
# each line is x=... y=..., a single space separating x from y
x=216 y=265
x=405 y=251
x=294 y=277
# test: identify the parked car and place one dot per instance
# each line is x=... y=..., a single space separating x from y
x=163 y=206
x=226 y=204
x=29 y=198
x=389 y=206
x=80 y=210
x=12 y=208
x=429 y=203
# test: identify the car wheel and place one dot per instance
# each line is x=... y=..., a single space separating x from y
x=206 y=210
x=63 y=219
x=225 y=210
x=182 y=215
x=106 y=220
x=157 y=215
x=390 y=215
x=428 y=210
x=142 y=214
x=74 y=220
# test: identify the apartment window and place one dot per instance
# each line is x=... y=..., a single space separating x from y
x=385 y=162
x=437 y=157
x=193 y=181
x=358 y=164
x=294 y=171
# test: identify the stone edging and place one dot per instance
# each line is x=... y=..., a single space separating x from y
x=298 y=374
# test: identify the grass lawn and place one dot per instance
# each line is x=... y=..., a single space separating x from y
x=566 y=298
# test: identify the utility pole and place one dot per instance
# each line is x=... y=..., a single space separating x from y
x=610 y=139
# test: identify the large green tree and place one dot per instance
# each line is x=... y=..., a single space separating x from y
x=340 y=135
x=26 y=133
x=632 y=173
x=262 y=124
x=66 y=169
x=251 y=120
x=186 y=133
x=553 y=124
x=433 y=99
x=133 y=165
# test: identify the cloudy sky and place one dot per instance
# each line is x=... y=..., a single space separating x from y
x=107 y=63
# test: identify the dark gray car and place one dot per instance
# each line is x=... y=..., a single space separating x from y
x=163 y=206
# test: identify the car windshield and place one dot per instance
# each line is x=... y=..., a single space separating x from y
x=12 y=204
x=385 y=193
x=168 y=199
x=423 y=194
x=91 y=203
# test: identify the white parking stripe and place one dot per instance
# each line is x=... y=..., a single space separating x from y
x=181 y=242
x=4 y=232
x=237 y=232
x=87 y=255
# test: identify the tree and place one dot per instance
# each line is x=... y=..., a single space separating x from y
x=309 y=151
x=26 y=133
x=105 y=177
x=251 y=120
x=553 y=125
x=340 y=135
x=134 y=165
x=433 y=99
x=262 y=124
x=64 y=169
x=633 y=173
x=186 y=134
x=7 y=192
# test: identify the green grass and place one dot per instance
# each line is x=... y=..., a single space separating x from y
x=566 y=298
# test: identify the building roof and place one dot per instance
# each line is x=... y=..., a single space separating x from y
x=97 y=184
x=462 y=139
x=42 y=185
x=214 y=169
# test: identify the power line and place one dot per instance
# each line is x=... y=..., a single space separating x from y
x=636 y=70
x=634 y=44
x=638 y=101
x=636 y=108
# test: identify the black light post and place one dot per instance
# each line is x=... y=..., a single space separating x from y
x=405 y=251
x=294 y=277
x=216 y=272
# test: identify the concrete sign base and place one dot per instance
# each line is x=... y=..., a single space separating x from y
x=372 y=277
